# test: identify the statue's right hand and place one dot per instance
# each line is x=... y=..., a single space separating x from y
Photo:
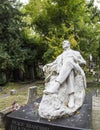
x=45 y=67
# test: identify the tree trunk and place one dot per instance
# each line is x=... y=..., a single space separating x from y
x=31 y=72
x=16 y=75
x=21 y=75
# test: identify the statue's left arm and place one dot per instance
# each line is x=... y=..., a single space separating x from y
x=80 y=59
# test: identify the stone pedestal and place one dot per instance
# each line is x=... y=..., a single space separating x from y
x=27 y=118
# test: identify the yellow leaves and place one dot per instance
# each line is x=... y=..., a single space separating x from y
x=72 y=41
x=57 y=51
x=48 y=39
x=54 y=46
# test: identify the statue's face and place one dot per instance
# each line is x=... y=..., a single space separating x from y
x=65 y=44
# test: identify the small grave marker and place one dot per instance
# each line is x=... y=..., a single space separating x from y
x=32 y=93
x=96 y=111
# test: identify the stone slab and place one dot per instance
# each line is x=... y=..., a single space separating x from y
x=27 y=118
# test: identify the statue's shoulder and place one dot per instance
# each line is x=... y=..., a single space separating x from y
x=59 y=57
x=75 y=52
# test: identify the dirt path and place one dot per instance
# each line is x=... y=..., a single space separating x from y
x=18 y=90
x=24 y=87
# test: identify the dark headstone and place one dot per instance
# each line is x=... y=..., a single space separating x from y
x=27 y=118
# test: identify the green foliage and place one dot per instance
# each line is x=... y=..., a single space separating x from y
x=18 y=48
x=56 y=20
x=88 y=32
x=11 y=28
x=33 y=34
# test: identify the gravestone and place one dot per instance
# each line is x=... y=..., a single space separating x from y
x=96 y=111
x=65 y=84
x=13 y=92
x=32 y=93
x=27 y=118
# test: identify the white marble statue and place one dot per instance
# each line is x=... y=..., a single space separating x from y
x=65 y=84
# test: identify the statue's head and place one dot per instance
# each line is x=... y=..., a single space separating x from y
x=66 y=44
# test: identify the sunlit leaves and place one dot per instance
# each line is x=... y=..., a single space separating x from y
x=56 y=20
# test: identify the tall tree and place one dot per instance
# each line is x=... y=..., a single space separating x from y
x=56 y=20
x=12 y=54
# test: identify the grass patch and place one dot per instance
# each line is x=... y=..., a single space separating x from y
x=10 y=86
x=40 y=90
x=6 y=102
x=21 y=96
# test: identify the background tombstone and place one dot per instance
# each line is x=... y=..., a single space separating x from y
x=96 y=111
x=13 y=92
x=32 y=93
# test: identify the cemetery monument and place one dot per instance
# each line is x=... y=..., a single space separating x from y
x=65 y=84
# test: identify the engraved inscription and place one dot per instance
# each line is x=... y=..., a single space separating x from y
x=19 y=125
